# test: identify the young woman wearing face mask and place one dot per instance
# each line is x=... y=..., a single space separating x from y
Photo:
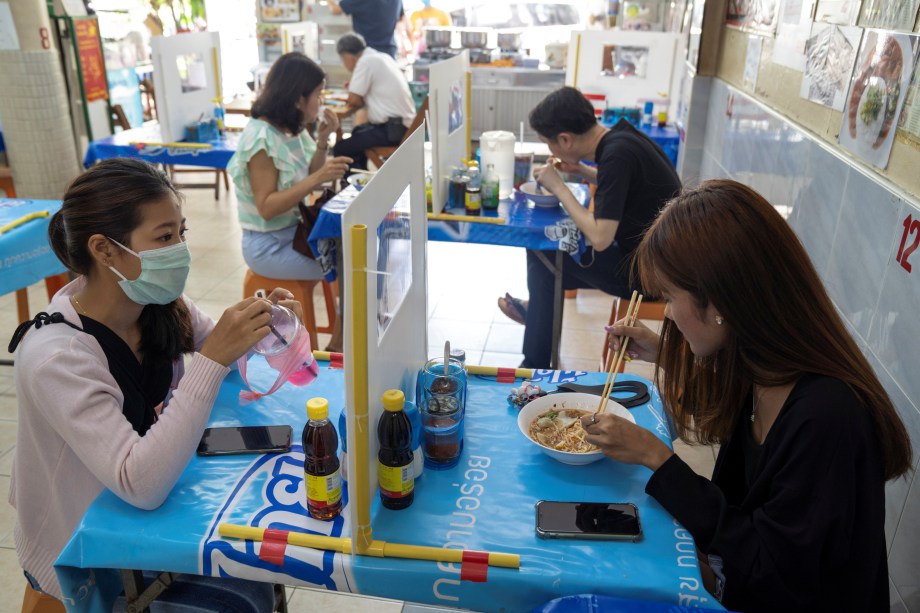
x=754 y=356
x=106 y=399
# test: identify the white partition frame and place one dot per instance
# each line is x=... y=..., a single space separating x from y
x=308 y=31
x=585 y=66
x=393 y=357
x=175 y=108
x=447 y=148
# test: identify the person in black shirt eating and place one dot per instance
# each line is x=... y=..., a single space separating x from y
x=634 y=179
x=754 y=356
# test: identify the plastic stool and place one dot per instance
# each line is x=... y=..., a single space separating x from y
x=52 y=285
x=6 y=182
x=36 y=602
x=303 y=293
x=647 y=310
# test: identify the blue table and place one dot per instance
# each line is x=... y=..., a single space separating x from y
x=528 y=226
x=484 y=503
x=120 y=145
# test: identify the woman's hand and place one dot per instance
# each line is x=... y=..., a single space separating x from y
x=328 y=123
x=643 y=344
x=332 y=170
x=286 y=299
x=238 y=329
x=624 y=441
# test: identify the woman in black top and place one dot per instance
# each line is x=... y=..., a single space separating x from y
x=753 y=356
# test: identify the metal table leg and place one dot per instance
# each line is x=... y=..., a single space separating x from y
x=556 y=269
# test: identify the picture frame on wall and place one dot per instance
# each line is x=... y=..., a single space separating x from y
x=874 y=100
x=755 y=16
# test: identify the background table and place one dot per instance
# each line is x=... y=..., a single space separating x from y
x=25 y=255
x=484 y=503
x=525 y=225
x=120 y=145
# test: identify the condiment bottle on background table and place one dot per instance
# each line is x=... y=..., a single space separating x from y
x=489 y=189
x=394 y=458
x=321 y=463
x=473 y=198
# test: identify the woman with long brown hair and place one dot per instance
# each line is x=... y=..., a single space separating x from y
x=106 y=396
x=753 y=356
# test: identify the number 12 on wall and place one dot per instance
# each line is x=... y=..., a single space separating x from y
x=911 y=227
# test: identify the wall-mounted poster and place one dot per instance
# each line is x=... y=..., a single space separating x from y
x=753 y=15
x=792 y=33
x=456 y=106
x=889 y=14
x=883 y=69
x=279 y=10
x=910 y=116
x=829 y=56
x=752 y=62
x=841 y=12
x=696 y=30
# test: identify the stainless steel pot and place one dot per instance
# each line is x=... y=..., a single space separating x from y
x=509 y=40
x=437 y=38
x=474 y=39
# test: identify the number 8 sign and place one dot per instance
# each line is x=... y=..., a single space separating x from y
x=911 y=227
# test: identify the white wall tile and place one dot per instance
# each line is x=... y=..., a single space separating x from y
x=904 y=559
x=862 y=242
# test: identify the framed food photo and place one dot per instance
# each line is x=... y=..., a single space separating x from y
x=877 y=89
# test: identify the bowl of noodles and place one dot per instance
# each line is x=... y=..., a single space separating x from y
x=553 y=424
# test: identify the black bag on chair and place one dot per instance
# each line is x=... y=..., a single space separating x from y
x=308 y=217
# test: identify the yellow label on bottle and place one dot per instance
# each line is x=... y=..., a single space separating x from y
x=395 y=481
x=326 y=489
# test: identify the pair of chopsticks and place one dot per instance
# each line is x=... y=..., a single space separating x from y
x=632 y=313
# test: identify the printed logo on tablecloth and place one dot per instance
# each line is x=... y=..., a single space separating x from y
x=271 y=494
x=566 y=233
x=9 y=204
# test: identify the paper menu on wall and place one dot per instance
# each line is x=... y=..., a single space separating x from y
x=9 y=41
x=889 y=14
x=752 y=62
x=829 y=56
x=841 y=12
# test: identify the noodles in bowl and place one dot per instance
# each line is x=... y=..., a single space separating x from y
x=560 y=435
x=561 y=430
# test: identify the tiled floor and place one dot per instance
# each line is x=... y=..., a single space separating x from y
x=462 y=308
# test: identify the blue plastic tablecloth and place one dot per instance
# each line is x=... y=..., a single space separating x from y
x=25 y=255
x=484 y=503
x=526 y=225
x=120 y=145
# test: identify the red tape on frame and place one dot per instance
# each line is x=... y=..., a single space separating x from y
x=474 y=566
x=505 y=375
x=274 y=543
x=336 y=360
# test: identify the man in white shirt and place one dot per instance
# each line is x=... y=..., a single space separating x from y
x=377 y=85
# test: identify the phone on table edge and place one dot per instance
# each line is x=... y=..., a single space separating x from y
x=601 y=521
x=232 y=440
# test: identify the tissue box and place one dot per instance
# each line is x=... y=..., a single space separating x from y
x=202 y=132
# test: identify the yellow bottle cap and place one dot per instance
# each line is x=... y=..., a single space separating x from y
x=393 y=400
x=317 y=409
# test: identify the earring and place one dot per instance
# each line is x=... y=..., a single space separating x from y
x=719 y=320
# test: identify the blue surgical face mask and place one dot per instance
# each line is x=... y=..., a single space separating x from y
x=163 y=274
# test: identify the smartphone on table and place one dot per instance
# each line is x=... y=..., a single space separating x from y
x=232 y=440
x=588 y=520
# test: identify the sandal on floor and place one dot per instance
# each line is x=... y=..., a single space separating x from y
x=513 y=308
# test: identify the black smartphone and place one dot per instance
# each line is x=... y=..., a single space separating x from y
x=588 y=520
x=245 y=439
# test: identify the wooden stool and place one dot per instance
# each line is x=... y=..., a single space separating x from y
x=36 y=602
x=6 y=181
x=647 y=310
x=303 y=293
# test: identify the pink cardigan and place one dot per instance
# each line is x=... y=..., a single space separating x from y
x=73 y=441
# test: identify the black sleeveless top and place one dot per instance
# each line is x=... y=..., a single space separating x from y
x=144 y=385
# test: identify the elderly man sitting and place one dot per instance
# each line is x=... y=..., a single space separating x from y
x=377 y=85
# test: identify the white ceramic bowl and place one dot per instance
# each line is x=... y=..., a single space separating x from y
x=567 y=400
x=359 y=179
x=529 y=189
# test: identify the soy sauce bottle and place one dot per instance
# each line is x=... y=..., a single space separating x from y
x=394 y=459
x=321 y=463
